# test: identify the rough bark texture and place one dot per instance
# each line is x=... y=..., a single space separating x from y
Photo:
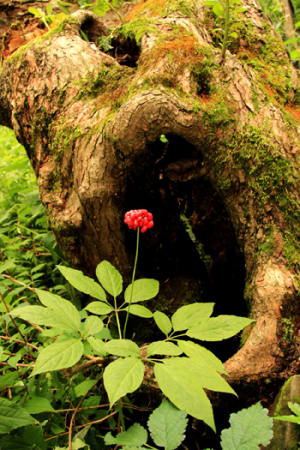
x=91 y=123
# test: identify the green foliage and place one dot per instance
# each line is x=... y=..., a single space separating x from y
x=249 y=429
x=12 y=416
x=295 y=407
x=229 y=19
x=167 y=425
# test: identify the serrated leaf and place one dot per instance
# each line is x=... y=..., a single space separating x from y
x=139 y=310
x=122 y=347
x=190 y=315
x=59 y=355
x=36 y=405
x=143 y=290
x=44 y=316
x=122 y=377
x=163 y=348
x=167 y=425
x=249 y=429
x=204 y=356
x=84 y=284
x=218 y=328
x=110 y=278
x=98 y=345
x=135 y=435
x=163 y=322
x=60 y=306
x=92 y=325
x=84 y=387
x=99 y=308
x=12 y=416
x=180 y=384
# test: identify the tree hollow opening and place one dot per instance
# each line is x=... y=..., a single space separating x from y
x=192 y=248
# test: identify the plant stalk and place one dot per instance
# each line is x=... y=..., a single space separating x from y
x=224 y=46
x=133 y=276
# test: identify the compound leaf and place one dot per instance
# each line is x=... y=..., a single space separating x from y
x=84 y=284
x=92 y=325
x=180 y=383
x=204 y=356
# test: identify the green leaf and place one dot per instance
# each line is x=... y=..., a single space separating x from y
x=143 y=289
x=37 y=405
x=167 y=425
x=180 y=384
x=92 y=325
x=190 y=315
x=234 y=35
x=163 y=348
x=249 y=429
x=139 y=310
x=163 y=322
x=291 y=418
x=99 y=308
x=218 y=9
x=12 y=416
x=135 y=435
x=101 y=8
x=63 y=8
x=84 y=387
x=44 y=316
x=49 y=9
x=59 y=355
x=204 y=356
x=8 y=379
x=84 y=36
x=98 y=345
x=9 y=264
x=219 y=328
x=122 y=377
x=84 y=284
x=122 y=347
x=35 y=12
x=295 y=407
x=110 y=278
x=60 y=306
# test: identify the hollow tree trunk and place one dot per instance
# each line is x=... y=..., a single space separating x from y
x=91 y=124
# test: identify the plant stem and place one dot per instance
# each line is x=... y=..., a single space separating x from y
x=121 y=415
x=133 y=275
x=226 y=29
x=117 y=317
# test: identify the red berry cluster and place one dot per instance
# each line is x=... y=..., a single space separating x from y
x=139 y=218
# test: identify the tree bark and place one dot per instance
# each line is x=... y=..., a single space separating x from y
x=91 y=124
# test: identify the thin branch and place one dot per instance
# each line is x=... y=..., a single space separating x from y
x=85 y=425
x=13 y=321
x=18 y=282
x=76 y=410
x=82 y=367
x=19 y=342
x=18 y=365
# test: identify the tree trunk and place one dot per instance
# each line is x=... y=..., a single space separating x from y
x=91 y=124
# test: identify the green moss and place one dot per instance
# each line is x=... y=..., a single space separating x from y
x=137 y=28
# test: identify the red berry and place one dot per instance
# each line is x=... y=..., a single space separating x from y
x=139 y=218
